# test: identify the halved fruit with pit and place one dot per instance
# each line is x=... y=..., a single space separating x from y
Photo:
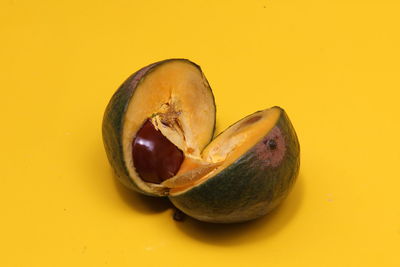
x=158 y=130
x=160 y=115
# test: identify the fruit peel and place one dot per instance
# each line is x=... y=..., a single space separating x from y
x=250 y=187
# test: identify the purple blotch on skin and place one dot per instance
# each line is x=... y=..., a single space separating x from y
x=272 y=148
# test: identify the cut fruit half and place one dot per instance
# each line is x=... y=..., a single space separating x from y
x=171 y=99
x=258 y=162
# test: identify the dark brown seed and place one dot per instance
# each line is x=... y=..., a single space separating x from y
x=155 y=158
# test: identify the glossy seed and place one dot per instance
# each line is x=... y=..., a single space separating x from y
x=155 y=158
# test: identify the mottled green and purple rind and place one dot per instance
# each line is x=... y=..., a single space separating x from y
x=250 y=187
x=113 y=122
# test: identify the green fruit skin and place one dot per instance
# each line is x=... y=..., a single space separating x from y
x=113 y=122
x=250 y=187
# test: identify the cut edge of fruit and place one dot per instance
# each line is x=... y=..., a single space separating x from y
x=225 y=149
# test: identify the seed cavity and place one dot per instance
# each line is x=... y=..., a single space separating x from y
x=248 y=122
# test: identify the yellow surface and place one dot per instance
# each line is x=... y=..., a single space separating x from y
x=333 y=65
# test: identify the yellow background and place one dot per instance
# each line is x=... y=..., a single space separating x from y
x=333 y=65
